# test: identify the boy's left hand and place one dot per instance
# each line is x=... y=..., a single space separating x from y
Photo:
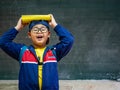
x=52 y=23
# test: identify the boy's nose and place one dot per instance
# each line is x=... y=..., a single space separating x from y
x=39 y=31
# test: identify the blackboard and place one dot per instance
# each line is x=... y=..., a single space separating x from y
x=95 y=24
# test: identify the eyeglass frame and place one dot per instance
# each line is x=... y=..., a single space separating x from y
x=39 y=29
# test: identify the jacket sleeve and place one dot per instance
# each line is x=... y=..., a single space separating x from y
x=66 y=41
x=7 y=44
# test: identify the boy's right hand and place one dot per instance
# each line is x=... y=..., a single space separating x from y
x=20 y=25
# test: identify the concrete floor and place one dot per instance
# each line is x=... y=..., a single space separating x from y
x=70 y=85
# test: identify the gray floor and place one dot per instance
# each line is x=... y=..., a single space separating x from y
x=70 y=85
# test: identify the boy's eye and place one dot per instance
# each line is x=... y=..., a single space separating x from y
x=35 y=30
x=43 y=29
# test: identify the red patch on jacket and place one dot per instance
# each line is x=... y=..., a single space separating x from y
x=28 y=57
x=49 y=57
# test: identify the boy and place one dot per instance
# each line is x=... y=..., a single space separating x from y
x=38 y=62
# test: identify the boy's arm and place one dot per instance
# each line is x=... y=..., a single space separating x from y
x=65 y=37
x=6 y=41
x=7 y=44
x=66 y=41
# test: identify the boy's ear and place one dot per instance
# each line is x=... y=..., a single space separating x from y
x=49 y=34
x=29 y=34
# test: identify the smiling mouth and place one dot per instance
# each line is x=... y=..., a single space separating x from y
x=39 y=37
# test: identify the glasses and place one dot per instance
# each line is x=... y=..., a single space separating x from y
x=42 y=29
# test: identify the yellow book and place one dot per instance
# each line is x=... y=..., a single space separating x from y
x=29 y=18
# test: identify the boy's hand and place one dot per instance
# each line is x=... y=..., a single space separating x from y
x=20 y=25
x=52 y=23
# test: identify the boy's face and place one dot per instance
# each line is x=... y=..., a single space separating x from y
x=39 y=35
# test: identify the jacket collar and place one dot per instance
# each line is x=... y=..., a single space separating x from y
x=32 y=49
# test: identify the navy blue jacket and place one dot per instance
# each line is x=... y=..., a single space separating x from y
x=28 y=74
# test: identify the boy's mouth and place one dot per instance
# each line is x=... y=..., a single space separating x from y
x=39 y=37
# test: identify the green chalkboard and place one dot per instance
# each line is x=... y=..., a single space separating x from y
x=95 y=25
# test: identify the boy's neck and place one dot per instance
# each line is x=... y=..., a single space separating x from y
x=35 y=46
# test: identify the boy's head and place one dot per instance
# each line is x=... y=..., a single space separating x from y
x=39 y=33
x=33 y=23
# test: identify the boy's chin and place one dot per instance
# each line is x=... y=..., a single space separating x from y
x=40 y=44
